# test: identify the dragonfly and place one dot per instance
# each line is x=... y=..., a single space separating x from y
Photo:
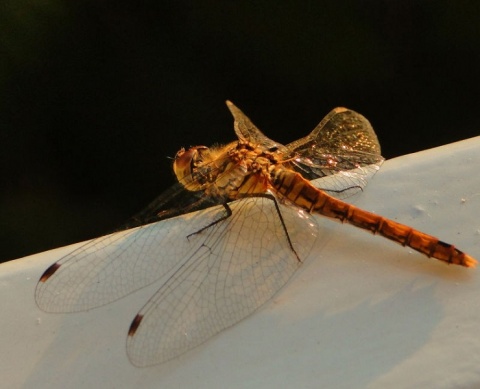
x=229 y=234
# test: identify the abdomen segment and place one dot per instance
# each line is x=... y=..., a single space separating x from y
x=298 y=190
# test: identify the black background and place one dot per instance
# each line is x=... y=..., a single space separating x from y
x=95 y=95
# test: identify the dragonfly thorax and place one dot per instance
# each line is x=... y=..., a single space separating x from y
x=229 y=171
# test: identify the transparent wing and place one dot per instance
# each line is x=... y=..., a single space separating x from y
x=346 y=183
x=110 y=267
x=236 y=266
x=246 y=130
x=345 y=146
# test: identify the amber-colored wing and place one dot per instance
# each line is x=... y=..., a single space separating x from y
x=343 y=148
x=247 y=131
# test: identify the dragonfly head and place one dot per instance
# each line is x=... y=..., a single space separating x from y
x=186 y=164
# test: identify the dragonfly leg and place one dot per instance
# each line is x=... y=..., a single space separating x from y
x=341 y=190
x=280 y=217
x=228 y=213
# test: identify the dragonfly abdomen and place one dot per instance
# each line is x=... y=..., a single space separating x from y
x=301 y=192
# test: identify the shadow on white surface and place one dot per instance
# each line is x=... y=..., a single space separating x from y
x=361 y=312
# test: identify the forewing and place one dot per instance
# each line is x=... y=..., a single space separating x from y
x=239 y=264
x=343 y=144
x=247 y=131
x=110 y=267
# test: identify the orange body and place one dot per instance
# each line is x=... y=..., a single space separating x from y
x=301 y=192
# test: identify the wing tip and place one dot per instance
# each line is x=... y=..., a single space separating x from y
x=232 y=107
x=469 y=261
x=49 y=272
x=135 y=324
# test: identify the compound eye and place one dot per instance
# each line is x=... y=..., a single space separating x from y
x=182 y=166
x=179 y=153
x=185 y=163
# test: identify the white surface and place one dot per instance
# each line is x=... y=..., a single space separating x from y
x=361 y=312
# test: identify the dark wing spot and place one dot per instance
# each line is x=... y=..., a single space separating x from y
x=49 y=272
x=134 y=326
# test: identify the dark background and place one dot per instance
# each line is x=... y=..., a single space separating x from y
x=95 y=95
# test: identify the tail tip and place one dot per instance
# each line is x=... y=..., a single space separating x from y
x=469 y=261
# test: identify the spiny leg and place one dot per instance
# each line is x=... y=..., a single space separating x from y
x=280 y=217
x=253 y=195
x=224 y=217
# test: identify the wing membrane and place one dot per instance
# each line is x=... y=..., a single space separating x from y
x=110 y=267
x=240 y=265
x=343 y=145
x=246 y=130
